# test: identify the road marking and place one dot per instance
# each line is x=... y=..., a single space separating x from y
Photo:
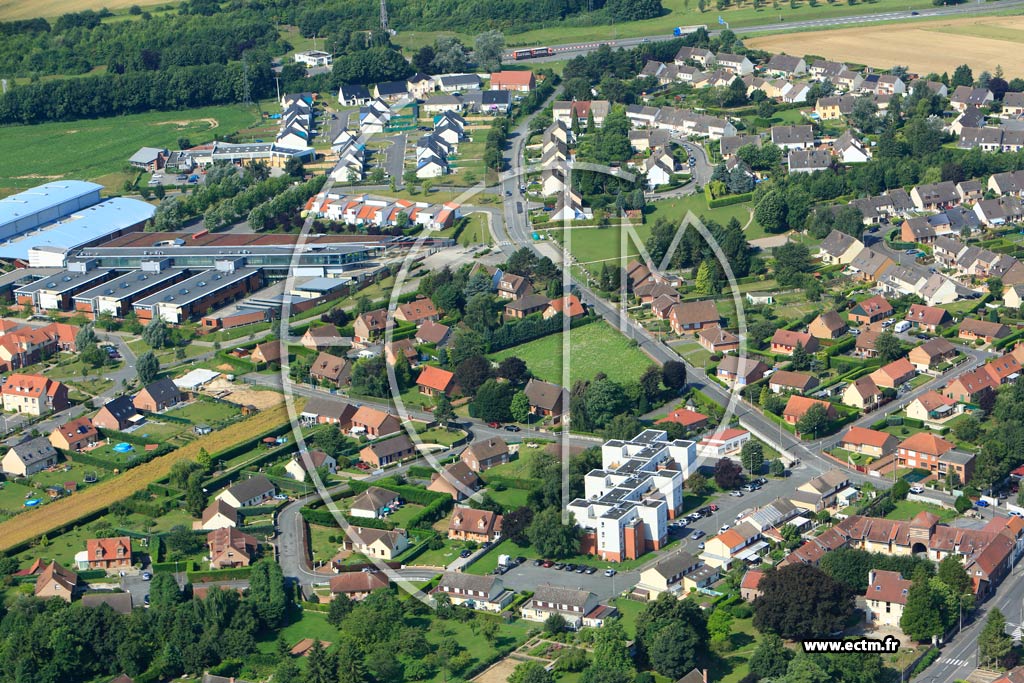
x=953 y=662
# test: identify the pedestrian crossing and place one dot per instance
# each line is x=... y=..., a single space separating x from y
x=953 y=662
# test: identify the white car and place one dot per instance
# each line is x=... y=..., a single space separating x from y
x=916 y=489
x=723 y=528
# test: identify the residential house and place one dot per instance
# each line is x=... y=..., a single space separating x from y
x=828 y=325
x=797 y=407
x=1013 y=104
x=369 y=326
x=862 y=393
x=483 y=455
x=391 y=91
x=737 y=64
x=689 y=419
x=357 y=585
x=676 y=574
x=457 y=480
x=870 y=310
x=267 y=352
x=935 y=196
x=56 y=582
x=849 y=149
x=526 y=305
x=1007 y=183
x=868 y=442
x=299 y=468
x=33 y=394
x=354 y=95
x=693 y=315
x=420 y=85
x=808 y=160
x=563 y=111
x=230 y=548
x=740 y=371
x=402 y=348
x=968 y=386
x=376 y=543
x=839 y=247
x=698 y=55
x=820 y=492
x=786 y=66
x=738 y=544
x=793 y=137
x=546 y=399
x=965 y=96
x=382 y=453
x=999 y=211
x=717 y=340
x=330 y=369
x=723 y=442
x=113 y=553
x=972 y=329
x=218 y=515
x=931 y=354
x=431 y=332
x=895 y=374
x=750 y=589
x=864 y=346
x=869 y=265
x=788 y=381
x=29 y=457
x=157 y=396
x=374 y=503
x=487 y=593
x=76 y=435
x=116 y=414
x=516 y=81
x=417 y=311
x=569 y=306
x=785 y=342
x=512 y=286
x=434 y=381
x=933 y=453
x=248 y=493
x=374 y=423
x=323 y=410
x=573 y=605
x=471 y=524
x=885 y=598
x=1004 y=369
x=321 y=337
x=933 y=408
x=970 y=191
x=733 y=143
x=927 y=318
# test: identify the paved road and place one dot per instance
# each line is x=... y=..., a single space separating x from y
x=569 y=50
x=394 y=164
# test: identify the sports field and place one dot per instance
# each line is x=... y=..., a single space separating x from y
x=592 y=349
x=98 y=149
x=930 y=46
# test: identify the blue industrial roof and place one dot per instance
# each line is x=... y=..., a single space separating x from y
x=29 y=202
x=322 y=284
x=81 y=227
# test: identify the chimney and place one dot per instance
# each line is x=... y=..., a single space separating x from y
x=704 y=675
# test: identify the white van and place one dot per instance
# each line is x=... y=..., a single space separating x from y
x=902 y=326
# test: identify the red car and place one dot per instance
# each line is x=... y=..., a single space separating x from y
x=713 y=508
x=493 y=425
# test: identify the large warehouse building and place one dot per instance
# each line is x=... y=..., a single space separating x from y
x=40 y=226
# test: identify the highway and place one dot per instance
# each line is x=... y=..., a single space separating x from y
x=570 y=50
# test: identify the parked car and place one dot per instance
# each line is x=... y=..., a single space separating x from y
x=538 y=563
x=465 y=554
x=590 y=570
x=713 y=507
x=723 y=528
x=916 y=489
x=493 y=425
x=547 y=564
x=760 y=481
x=697 y=535
x=610 y=572
x=981 y=504
x=146 y=576
x=701 y=545
x=512 y=428
x=559 y=566
x=520 y=559
x=736 y=494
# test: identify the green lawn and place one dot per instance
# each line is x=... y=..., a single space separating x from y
x=907 y=509
x=510 y=498
x=442 y=436
x=487 y=563
x=206 y=412
x=309 y=624
x=94 y=149
x=676 y=210
x=590 y=245
x=589 y=350
x=476 y=231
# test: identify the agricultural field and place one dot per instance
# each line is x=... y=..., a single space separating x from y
x=931 y=46
x=98 y=149
x=590 y=347
x=23 y=9
x=16 y=531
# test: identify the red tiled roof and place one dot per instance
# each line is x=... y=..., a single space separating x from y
x=923 y=442
x=435 y=378
x=866 y=437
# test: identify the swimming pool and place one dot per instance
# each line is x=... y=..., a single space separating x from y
x=123 y=447
x=32 y=502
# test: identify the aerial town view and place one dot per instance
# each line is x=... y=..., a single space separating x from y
x=512 y=341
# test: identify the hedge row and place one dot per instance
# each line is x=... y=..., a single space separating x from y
x=411 y=494
x=219 y=575
x=322 y=517
x=729 y=200
x=523 y=483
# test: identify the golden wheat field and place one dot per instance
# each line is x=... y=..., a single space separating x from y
x=26 y=526
x=929 y=46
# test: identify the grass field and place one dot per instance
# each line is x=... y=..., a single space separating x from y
x=675 y=210
x=681 y=12
x=590 y=348
x=23 y=9
x=476 y=231
x=906 y=509
x=27 y=527
x=99 y=149
x=592 y=246
x=933 y=45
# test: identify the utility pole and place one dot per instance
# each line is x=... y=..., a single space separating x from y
x=384 y=16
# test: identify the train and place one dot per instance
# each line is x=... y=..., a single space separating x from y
x=532 y=53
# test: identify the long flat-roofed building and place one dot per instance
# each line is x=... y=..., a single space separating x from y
x=630 y=500
x=40 y=226
x=55 y=293
x=116 y=296
x=193 y=297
